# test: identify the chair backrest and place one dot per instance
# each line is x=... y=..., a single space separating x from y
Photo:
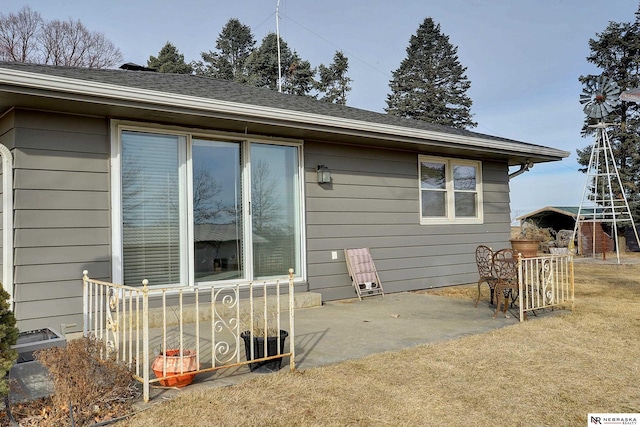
x=360 y=265
x=505 y=265
x=484 y=261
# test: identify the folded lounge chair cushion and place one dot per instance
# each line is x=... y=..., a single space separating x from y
x=363 y=268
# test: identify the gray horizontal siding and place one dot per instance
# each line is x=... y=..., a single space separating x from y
x=51 y=218
x=30 y=158
x=60 y=200
x=41 y=254
x=399 y=236
x=57 y=237
x=62 y=214
x=372 y=202
x=33 y=310
x=49 y=291
x=7 y=129
x=83 y=126
x=71 y=320
x=39 y=273
x=33 y=179
x=58 y=139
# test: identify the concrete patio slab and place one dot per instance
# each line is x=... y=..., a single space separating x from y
x=350 y=329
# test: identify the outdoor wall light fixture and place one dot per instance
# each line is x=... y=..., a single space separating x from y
x=324 y=175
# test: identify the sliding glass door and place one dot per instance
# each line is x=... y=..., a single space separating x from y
x=197 y=210
x=217 y=211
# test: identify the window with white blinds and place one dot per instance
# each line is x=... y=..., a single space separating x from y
x=151 y=208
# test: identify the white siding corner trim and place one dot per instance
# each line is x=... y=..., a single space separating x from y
x=7 y=222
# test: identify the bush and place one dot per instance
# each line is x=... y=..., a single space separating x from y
x=8 y=337
x=96 y=389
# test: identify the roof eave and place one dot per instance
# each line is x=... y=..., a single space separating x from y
x=76 y=89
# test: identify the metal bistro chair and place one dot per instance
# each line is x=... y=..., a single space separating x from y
x=505 y=266
x=484 y=261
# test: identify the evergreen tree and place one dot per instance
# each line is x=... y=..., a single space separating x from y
x=430 y=84
x=616 y=51
x=262 y=63
x=298 y=78
x=262 y=68
x=234 y=44
x=334 y=83
x=8 y=337
x=169 y=60
x=237 y=59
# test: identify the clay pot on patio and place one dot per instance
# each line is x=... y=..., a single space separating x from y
x=527 y=247
x=176 y=364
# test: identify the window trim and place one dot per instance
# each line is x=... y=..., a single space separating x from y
x=186 y=165
x=450 y=191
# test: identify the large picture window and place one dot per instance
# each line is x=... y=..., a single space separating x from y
x=450 y=190
x=196 y=209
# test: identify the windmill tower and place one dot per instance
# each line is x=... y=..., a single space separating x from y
x=602 y=203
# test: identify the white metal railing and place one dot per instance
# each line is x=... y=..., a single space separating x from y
x=208 y=321
x=545 y=282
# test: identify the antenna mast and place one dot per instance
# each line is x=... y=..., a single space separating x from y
x=278 y=43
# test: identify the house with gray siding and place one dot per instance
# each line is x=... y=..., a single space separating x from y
x=187 y=180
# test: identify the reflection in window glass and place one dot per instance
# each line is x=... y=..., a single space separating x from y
x=217 y=211
x=434 y=203
x=466 y=205
x=449 y=190
x=464 y=177
x=433 y=175
x=274 y=209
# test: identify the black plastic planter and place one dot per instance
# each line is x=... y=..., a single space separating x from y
x=258 y=350
x=31 y=341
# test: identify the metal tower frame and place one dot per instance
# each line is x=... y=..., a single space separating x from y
x=607 y=207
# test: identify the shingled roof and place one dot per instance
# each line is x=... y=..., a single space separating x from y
x=206 y=88
x=224 y=90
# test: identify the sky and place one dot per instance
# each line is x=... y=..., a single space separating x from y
x=523 y=57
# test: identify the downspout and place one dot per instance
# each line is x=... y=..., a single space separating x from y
x=7 y=223
x=524 y=167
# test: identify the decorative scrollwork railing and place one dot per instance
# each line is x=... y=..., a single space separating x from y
x=123 y=318
x=545 y=282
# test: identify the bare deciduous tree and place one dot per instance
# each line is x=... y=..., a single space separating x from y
x=26 y=37
x=207 y=205
x=19 y=35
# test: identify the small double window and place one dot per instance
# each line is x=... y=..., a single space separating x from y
x=450 y=190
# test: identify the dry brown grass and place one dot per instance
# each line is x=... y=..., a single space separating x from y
x=547 y=372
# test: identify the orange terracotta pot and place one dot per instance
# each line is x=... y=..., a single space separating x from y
x=176 y=364
x=528 y=248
